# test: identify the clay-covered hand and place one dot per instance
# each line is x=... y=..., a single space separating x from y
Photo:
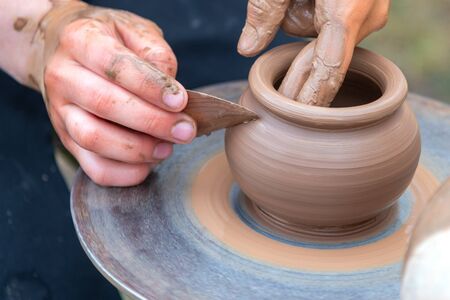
x=108 y=80
x=317 y=72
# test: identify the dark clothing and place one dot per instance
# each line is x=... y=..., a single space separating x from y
x=40 y=256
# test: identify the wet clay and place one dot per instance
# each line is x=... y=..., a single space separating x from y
x=210 y=200
x=327 y=168
x=20 y=23
x=324 y=234
x=318 y=71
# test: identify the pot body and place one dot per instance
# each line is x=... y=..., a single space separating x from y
x=323 y=176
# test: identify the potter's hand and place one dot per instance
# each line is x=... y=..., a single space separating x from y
x=107 y=77
x=317 y=72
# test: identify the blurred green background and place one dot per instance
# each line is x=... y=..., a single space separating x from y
x=417 y=39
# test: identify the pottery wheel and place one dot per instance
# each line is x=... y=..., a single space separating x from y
x=187 y=232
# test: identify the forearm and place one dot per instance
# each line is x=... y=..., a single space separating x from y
x=19 y=20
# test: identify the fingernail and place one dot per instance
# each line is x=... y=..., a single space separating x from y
x=183 y=131
x=174 y=101
x=162 y=151
x=248 y=39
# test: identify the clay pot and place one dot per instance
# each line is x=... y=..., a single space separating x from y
x=325 y=166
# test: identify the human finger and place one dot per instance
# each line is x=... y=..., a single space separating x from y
x=299 y=19
x=111 y=102
x=106 y=55
x=145 y=38
x=110 y=140
x=262 y=23
x=332 y=55
x=103 y=171
x=298 y=72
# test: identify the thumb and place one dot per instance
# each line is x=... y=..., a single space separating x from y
x=263 y=20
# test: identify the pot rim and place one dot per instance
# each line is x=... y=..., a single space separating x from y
x=388 y=77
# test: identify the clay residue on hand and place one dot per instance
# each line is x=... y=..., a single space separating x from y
x=111 y=74
x=63 y=12
x=340 y=26
x=263 y=19
x=152 y=75
x=20 y=23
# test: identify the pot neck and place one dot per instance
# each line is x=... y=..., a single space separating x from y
x=271 y=66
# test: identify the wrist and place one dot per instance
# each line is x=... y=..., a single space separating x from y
x=45 y=39
x=19 y=21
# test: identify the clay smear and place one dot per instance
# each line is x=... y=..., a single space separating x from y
x=20 y=23
x=210 y=202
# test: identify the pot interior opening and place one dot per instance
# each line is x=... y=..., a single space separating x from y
x=356 y=90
